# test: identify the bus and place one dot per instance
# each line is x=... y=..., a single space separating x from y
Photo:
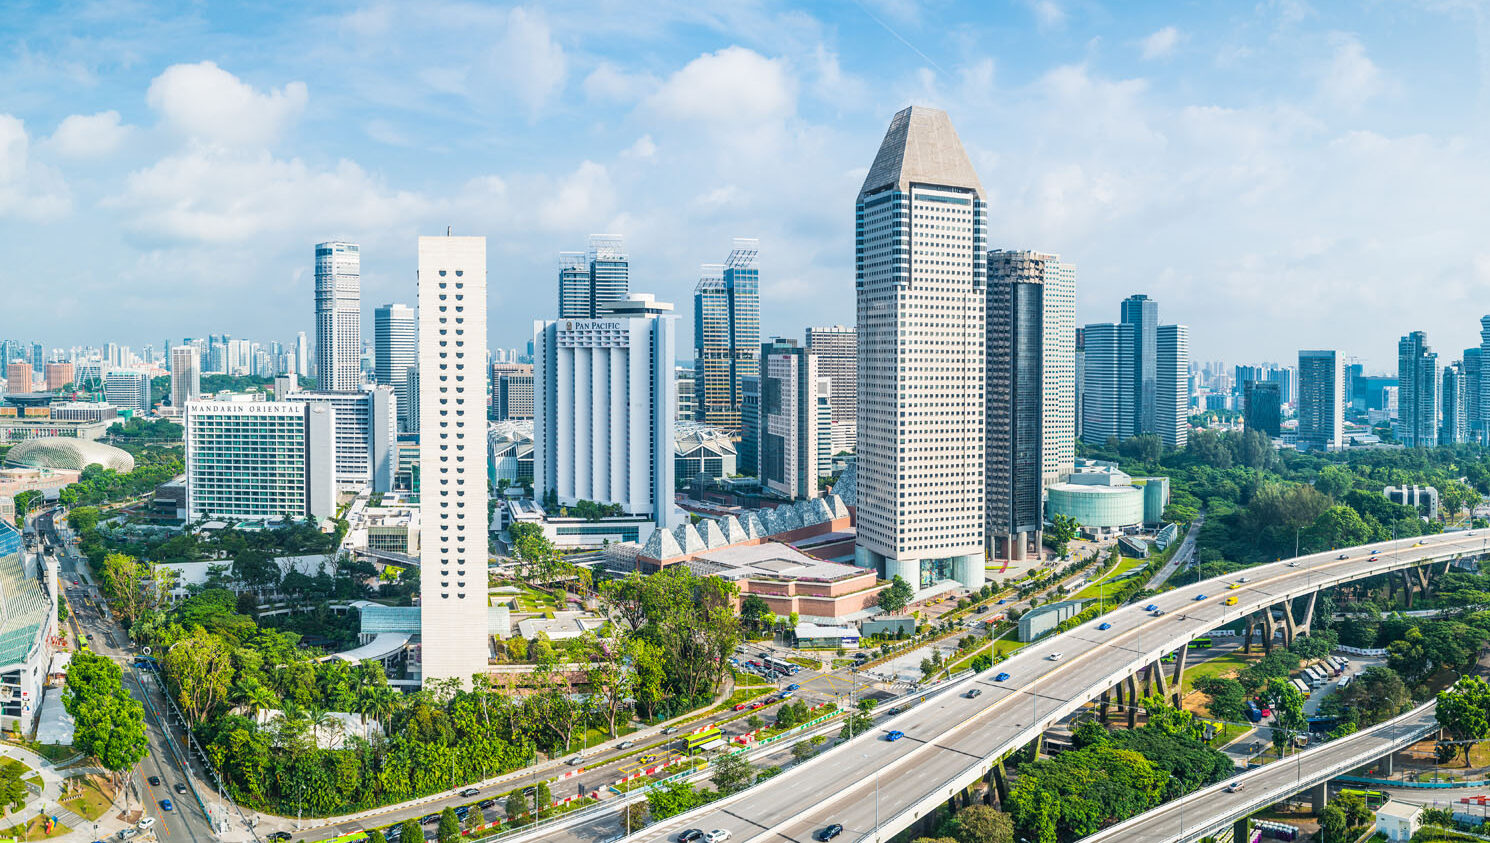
x=1344 y=682
x=1374 y=798
x=779 y=666
x=1303 y=689
x=1201 y=643
x=707 y=739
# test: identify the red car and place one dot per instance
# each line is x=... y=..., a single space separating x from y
x=742 y=706
x=755 y=705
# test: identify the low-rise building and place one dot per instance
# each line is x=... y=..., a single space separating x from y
x=815 y=636
x=1399 y=821
x=789 y=580
x=1040 y=621
x=1422 y=498
x=18 y=425
x=1105 y=500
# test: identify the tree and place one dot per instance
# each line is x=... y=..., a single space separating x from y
x=754 y=612
x=982 y=824
x=1464 y=711
x=109 y=723
x=802 y=750
x=376 y=836
x=635 y=816
x=674 y=798
x=517 y=805
x=542 y=798
x=732 y=773
x=1063 y=529
x=201 y=672
x=12 y=790
x=411 y=832
x=1333 y=823
x=1355 y=809
x=449 y=830
x=897 y=596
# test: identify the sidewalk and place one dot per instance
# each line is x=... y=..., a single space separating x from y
x=50 y=799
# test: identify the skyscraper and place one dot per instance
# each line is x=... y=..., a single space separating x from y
x=186 y=376
x=792 y=455
x=837 y=351
x=1107 y=387
x=1015 y=401
x=452 y=457
x=1058 y=391
x=128 y=390
x=1321 y=401
x=338 y=317
x=1142 y=313
x=727 y=333
x=1172 y=385
x=1473 y=370
x=18 y=377
x=302 y=355
x=604 y=409
x=58 y=376
x=512 y=391
x=1262 y=409
x=920 y=276
x=394 y=351
x=588 y=281
x=1417 y=392
x=1455 y=413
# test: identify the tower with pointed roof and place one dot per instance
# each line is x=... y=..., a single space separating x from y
x=920 y=283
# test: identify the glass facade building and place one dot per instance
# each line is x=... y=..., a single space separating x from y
x=726 y=335
x=588 y=281
x=1417 y=392
x=338 y=317
x=1015 y=401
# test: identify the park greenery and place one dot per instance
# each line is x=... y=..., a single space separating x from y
x=109 y=723
x=97 y=485
x=146 y=430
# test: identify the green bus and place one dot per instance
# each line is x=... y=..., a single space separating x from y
x=707 y=739
x=1201 y=643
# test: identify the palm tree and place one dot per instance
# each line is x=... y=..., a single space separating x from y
x=259 y=698
x=382 y=703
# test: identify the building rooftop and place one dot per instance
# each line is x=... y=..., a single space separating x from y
x=773 y=560
x=24 y=604
x=921 y=147
x=68 y=453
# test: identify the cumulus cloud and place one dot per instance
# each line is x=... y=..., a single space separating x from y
x=28 y=190
x=89 y=135
x=1160 y=44
x=584 y=197
x=1351 y=77
x=529 y=59
x=610 y=84
x=207 y=103
x=733 y=87
x=1048 y=14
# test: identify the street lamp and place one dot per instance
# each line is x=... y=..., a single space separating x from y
x=876 y=799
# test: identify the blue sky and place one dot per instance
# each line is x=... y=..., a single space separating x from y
x=1278 y=175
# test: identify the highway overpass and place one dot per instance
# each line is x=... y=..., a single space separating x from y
x=877 y=788
x=1212 y=809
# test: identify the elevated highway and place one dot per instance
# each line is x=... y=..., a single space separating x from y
x=1212 y=809
x=876 y=788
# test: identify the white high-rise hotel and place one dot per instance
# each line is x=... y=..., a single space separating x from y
x=338 y=317
x=921 y=276
x=452 y=456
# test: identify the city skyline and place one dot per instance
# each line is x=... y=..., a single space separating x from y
x=1280 y=103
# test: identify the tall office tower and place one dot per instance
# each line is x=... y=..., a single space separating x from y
x=512 y=391
x=452 y=457
x=1484 y=395
x=1262 y=409
x=247 y=458
x=1349 y=373
x=302 y=355
x=727 y=333
x=837 y=351
x=58 y=376
x=921 y=229
x=687 y=398
x=1058 y=350
x=1142 y=313
x=1321 y=401
x=1473 y=368
x=1015 y=402
x=589 y=281
x=749 y=452
x=38 y=359
x=17 y=378
x=128 y=390
x=394 y=352
x=411 y=386
x=1455 y=414
x=366 y=433
x=1107 y=383
x=1417 y=392
x=792 y=456
x=186 y=375
x=1080 y=376
x=1172 y=386
x=338 y=317
x=605 y=408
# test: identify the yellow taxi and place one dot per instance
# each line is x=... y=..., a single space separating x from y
x=1231 y=601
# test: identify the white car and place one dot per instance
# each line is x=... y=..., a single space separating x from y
x=145 y=823
x=1234 y=787
x=625 y=744
x=1055 y=657
x=718 y=835
x=576 y=761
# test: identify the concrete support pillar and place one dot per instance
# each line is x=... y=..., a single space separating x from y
x=1307 y=624
x=1289 y=630
x=1422 y=572
x=1242 y=831
x=1386 y=764
x=1132 y=701
x=1268 y=630
x=1318 y=797
x=1146 y=680
x=1001 y=782
x=1247 y=641
x=1177 y=684
x=1036 y=746
x=1160 y=686
x=991 y=794
x=1102 y=707
x=1407 y=587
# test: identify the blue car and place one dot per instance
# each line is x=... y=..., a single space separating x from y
x=1105 y=626
x=1150 y=607
x=895 y=735
x=1200 y=597
x=165 y=805
x=1002 y=601
x=792 y=687
x=1001 y=677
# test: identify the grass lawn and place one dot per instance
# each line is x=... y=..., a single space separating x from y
x=34 y=829
x=1004 y=647
x=1094 y=589
x=750 y=680
x=92 y=801
x=967 y=661
x=1211 y=668
x=810 y=664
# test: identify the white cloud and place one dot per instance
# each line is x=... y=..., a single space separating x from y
x=1160 y=44
x=89 y=135
x=585 y=197
x=644 y=148
x=1351 y=77
x=207 y=103
x=608 y=83
x=1048 y=14
x=28 y=190
x=733 y=87
x=529 y=59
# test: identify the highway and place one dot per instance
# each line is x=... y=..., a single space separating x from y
x=1211 y=809
x=876 y=788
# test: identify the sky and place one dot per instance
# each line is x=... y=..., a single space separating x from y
x=1278 y=175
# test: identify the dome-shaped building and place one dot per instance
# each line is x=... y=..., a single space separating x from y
x=68 y=453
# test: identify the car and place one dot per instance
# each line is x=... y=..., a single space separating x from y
x=154 y=781
x=429 y=818
x=285 y=835
x=980 y=610
x=471 y=791
x=1417 y=544
x=894 y=735
x=1373 y=559
x=126 y=833
x=1157 y=612
x=741 y=706
x=792 y=687
x=670 y=730
x=486 y=803
x=830 y=832
x=1198 y=597
x=785 y=694
x=1374 y=551
x=691 y=835
x=630 y=744
x=166 y=805
x=647 y=759
x=1343 y=556
x=530 y=791
x=1241 y=579
x=1001 y=677
x=1056 y=656
x=757 y=704
x=1002 y=601
x=973 y=692
x=462 y=812
x=75 y=582
x=1470 y=533
x=718 y=835
x=1234 y=787
x=1151 y=608
x=1104 y=626
x=1234 y=586
x=179 y=788
x=1231 y=601
x=145 y=823
x=576 y=761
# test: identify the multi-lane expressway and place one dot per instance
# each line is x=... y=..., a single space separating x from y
x=876 y=788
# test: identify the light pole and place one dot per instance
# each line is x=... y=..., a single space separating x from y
x=876 y=800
